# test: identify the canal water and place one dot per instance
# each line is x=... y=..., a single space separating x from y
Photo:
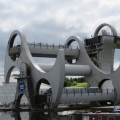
x=32 y=115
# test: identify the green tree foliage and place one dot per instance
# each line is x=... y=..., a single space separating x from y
x=73 y=81
x=15 y=74
x=82 y=79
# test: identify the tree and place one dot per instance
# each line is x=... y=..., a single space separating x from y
x=67 y=82
x=74 y=83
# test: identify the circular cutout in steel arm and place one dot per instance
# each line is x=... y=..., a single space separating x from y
x=103 y=25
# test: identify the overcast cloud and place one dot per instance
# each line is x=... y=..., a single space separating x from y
x=53 y=21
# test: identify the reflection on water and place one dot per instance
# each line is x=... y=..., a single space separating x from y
x=32 y=115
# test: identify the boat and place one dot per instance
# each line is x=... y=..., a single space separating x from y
x=97 y=116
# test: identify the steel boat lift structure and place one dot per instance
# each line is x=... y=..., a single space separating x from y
x=94 y=60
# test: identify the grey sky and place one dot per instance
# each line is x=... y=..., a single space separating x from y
x=53 y=21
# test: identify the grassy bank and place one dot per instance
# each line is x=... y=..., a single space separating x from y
x=84 y=84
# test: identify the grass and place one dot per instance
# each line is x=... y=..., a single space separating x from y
x=78 y=111
x=84 y=84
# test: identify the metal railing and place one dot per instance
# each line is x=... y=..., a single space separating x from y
x=47 y=46
x=83 y=91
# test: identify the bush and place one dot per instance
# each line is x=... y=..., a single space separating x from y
x=74 y=83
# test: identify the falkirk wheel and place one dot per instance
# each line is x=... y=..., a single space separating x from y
x=94 y=60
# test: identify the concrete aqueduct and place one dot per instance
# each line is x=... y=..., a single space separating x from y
x=94 y=60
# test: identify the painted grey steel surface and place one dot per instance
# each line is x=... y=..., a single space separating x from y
x=101 y=26
x=55 y=76
x=7 y=94
x=88 y=97
x=70 y=70
x=106 y=56
x=51 y=51
x=96 y=66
